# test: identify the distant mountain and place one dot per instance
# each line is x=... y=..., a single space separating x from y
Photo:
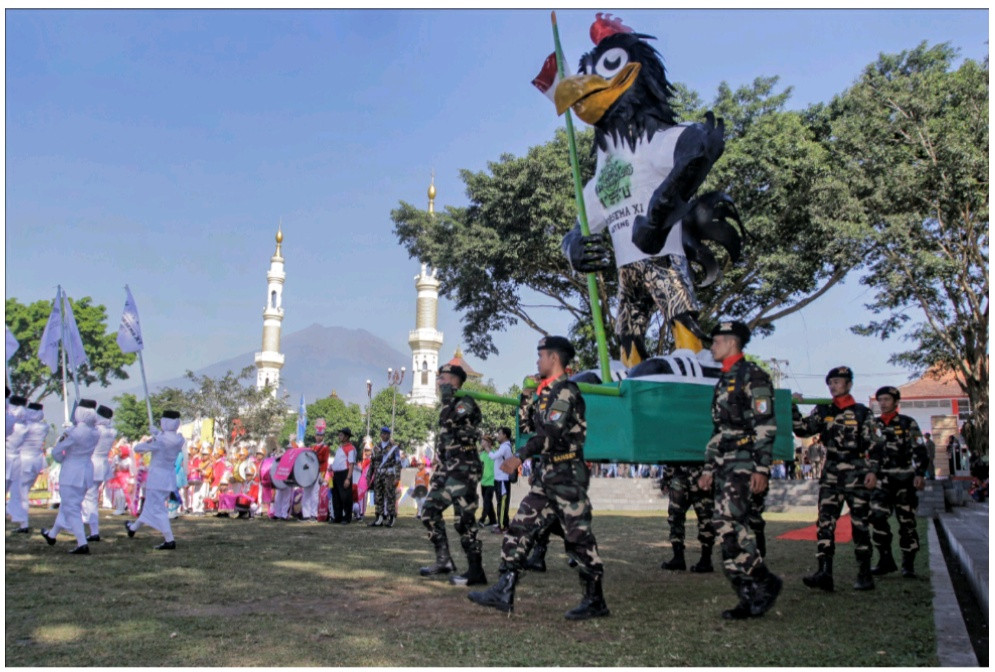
x=319 y=360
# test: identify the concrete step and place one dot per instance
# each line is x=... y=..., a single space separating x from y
x=966 y=530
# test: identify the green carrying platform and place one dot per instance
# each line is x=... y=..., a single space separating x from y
x=652 y=422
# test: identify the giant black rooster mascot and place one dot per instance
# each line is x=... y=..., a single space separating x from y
x=643 y=192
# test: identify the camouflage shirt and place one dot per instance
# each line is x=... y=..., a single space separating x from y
x=458 y=433
x=851 y=436
x=743 y=420
x=393 y=463
x=904 y=448
x=557 y=418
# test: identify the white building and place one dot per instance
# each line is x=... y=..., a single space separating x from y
x=270 y=360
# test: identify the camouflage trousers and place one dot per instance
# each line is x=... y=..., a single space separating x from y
x=682 y=482
x=895 y=493
x=559 y=493
x=455 y=484
x=733 y=505
x=835 y=487
x=663 y=283
x=385 y=492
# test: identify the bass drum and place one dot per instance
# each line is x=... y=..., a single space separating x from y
x=276 y=482
x=305 y=473
x=265 y=470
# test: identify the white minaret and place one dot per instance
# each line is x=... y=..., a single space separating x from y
x=425 y=340
x=270 y=361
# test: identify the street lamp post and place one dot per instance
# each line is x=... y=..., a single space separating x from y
x=394 y=379
x=369 y=407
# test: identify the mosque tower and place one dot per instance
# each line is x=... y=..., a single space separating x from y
x=425 y=339
x=270 y=361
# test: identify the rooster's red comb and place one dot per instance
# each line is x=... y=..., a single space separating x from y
x=604 y=25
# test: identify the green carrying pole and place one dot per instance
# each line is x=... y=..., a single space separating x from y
x=592 y=279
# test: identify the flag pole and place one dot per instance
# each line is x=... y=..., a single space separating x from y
x=145 y=387
x=592 y=279
x=62 y=345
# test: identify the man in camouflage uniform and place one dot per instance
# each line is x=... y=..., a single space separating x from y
x=456 y=474
x=903 y=471
x=682 y=482
x=853 y=443
x=737 y=464
x=556 y=415
x=385 y=468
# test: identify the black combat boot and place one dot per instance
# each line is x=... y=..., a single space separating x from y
x=536 y=562
x=443 y=561
x=744 y=589
x=676 y=562
x=377 y=522
x=886 y=562
x=501 y=595
x=823 y=577
x=766 y=587
x=761 y=544
x=704 y=565
x=865 y=580
x=474 y=575
x=592 y=605
x=388 y=521
x=909 y=564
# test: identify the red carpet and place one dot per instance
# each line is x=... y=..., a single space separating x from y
x=844 y=532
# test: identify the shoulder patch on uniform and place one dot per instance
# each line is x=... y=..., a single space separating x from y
x=462 y=408
x=761 y=405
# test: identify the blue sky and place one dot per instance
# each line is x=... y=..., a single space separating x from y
x=162 y=148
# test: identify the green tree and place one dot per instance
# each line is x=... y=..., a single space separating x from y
x=412 y=424
x=337 y=414
x=494 y=415
x=131 y=416
x=32 y=379
x=235 y=396
x=914 y=131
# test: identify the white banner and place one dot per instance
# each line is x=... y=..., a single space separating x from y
x=48 y=349
x=129 y=334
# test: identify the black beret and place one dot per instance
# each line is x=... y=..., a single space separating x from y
x=87 y=403
x=34 y=406
x=732 y=328
x=17 y=400
x=889 y=390
x=557 y=343
x=455 y=370
x=346 y=431
x=172 y=415
x=105 y=412
x=840 y=372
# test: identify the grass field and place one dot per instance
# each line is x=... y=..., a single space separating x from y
x=250 y=593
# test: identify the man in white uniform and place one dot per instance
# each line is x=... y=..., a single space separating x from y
x=73 y=451
x=91 y=503
x=15 y=434
x=32 y=460
x=164 y=446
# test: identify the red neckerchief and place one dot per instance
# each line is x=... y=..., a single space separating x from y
x=730 y=360
x=844 y=401
x=545 y=383
x=888 y=417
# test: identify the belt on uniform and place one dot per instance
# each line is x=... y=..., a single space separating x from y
x=746 y=440
x=563 y=457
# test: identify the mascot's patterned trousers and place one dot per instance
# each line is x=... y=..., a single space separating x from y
x=455 y=484
x=660 y=282
x=559 y=492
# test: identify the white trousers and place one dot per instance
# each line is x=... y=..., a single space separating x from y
x=70 y=512
x=309 y=500
x=155 y=514
x=197 y=499
x=91 y=507
x=30 y=468
x=282 y=502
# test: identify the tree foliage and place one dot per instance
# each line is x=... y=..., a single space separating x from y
x=131 y=416
x=32 y=379
x=235 y=396
x=914 y=131
x=337 y=414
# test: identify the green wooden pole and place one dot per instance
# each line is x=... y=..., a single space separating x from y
x=592 y=279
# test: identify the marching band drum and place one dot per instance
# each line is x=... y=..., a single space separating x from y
x=298 y=468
